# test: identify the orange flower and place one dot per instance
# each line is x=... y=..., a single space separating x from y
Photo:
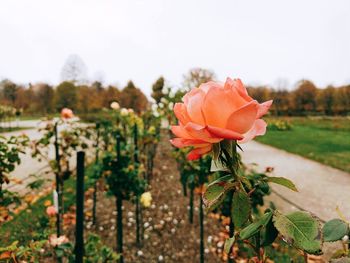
x=67 y=113
x=214 y=112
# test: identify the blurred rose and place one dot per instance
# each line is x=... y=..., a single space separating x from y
x=115 y=105
x=51 y=211
x=214 y=112
x=124 y=112
x=130 y=110
x=146 y=199
x=67 y=113
x=57 y=241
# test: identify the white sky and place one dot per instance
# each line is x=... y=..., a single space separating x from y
x=260 y=41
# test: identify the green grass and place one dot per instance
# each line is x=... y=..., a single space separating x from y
x=13 y=129
x=326 y=140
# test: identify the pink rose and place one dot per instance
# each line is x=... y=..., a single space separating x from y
x=51 y=211
x=67 y=113
x=57 y=241
x=214 y=112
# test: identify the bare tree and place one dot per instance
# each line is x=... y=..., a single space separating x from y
x=74 y=70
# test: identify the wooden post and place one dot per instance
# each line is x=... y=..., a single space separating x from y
x=79 y=232
x=95 y=183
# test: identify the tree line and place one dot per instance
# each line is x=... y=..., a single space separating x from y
x=304 y=99
x=43 y=98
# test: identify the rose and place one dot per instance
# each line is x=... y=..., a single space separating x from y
x=57 y=241
x=115 y=105
x=214 y=112
x=51 y=211
x=67 y=113
x=124 y=112
x=146 y=199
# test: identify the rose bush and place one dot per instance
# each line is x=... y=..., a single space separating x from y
x=214 y=112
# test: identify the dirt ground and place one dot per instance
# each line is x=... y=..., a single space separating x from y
x=168 y=235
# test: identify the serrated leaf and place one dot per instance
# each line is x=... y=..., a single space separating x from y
x=216 y=191
x=228 y=244
x=300 y=229
x=250 y=230
x=335 y=230
x=240 y=208
x=282 y=181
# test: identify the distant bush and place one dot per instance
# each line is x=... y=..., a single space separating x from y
x=279 y=125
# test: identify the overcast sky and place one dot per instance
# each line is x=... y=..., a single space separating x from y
x=260 y=41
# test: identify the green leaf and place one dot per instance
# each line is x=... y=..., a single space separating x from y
x=216 y=191
x=282 y=181
x=255 y=227
x=216 y=166
x=299 y=229
x=240 y=208
x=228 y=244
x=335 y=230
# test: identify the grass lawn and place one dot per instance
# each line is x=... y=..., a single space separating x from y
x=326 y=140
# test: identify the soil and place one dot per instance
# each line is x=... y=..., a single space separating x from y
x=168 y=235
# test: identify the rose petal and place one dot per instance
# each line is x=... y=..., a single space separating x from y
x=263 y=108
x=259 y=128
x=208 y=85
x=237 y=84
x=224 y=133
x=179 y=131
x=193 y=102
x=219 y=104
x=200 y=132
x=197 y=153
x=181 y=143
x=181 y=113
x=243 y=119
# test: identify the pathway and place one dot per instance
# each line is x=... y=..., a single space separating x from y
x=321 y=188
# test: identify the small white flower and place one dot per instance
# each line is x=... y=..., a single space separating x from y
x=345 y=238
x=124 y=112
x=160 y=258
x=115 y=105
x=140 y=253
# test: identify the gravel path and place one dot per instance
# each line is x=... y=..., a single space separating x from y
x=321 y=188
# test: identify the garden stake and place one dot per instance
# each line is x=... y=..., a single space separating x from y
x=58 y=183
x=95 y=183
x=137 y=201
x=119 y=204
x=79 y=234
x=191 y=202
x=201 y=216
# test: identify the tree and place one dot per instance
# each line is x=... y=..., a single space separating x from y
x=9 y=91
x=66 y=96
x=132 y=97
x=305 y=97
x=110 y=94
x=326 y=100
x=74 y=70
x=157 y=90
x=44 y=96
x=197 y=76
